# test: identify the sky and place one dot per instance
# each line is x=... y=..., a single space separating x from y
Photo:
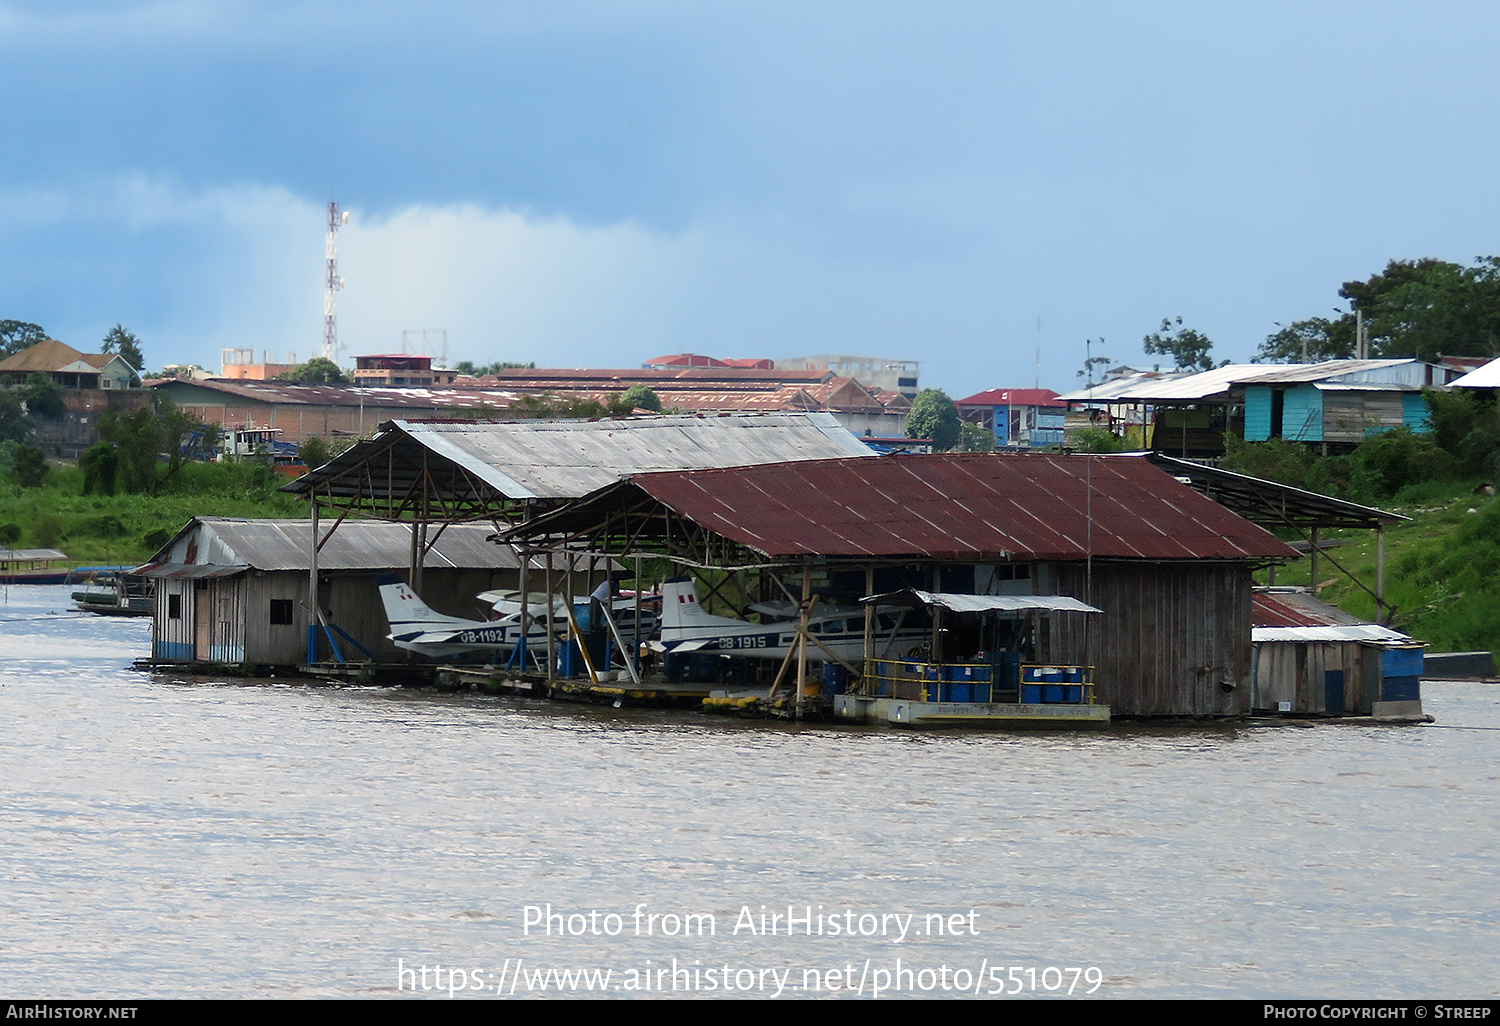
x=980 y=187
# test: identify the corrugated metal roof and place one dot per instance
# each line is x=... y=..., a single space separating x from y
x=985 y=603
x=355 y=545
x=1366 y=632
x=1394 y=371
x=1013 y=397
x=960 y=507
x=1487 y=376
x=1292 y=614
x=1217 y=383
x=1268 y=502
x=370 y=397
x=48 y=555
x=1112 y=390
x=565 y=459
x=1295 y=607
x=187 y=571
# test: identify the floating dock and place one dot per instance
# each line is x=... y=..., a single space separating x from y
x=907 y=712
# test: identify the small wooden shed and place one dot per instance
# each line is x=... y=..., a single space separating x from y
x=1313 y=659
x=236 y=591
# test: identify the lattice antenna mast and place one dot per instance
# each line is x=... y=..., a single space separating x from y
x=336 y=220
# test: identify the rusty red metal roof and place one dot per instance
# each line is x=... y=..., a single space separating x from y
x=1286 y=607
x=1013 y=397
x=962 y=507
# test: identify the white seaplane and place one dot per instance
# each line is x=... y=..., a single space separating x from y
x=417 y=627
x=685 y=627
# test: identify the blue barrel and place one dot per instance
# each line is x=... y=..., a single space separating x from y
x=835 y=679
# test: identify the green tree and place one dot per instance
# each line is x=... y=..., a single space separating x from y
x=125 y=342
x=43 y=397
x=639 y=397
x=18 y=335
x=30 y=468
x=934 y=416
x=14 y=424
x=314 y=452
x=975 y=438
x=318 y=371
x=1314 y=339
x=1413 y=308
x=100 y=464
x=150 y=442
x=469 y=368
x=1187 y=346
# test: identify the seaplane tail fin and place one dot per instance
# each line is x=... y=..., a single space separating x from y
x=679 y=604
x=403 y=607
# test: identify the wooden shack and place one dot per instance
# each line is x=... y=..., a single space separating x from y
x=1314 y=659
x=236 y=591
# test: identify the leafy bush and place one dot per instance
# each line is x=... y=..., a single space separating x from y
x=106 y=526
x=314 y=452
x=47 y=531
x=1098 y=440
x=1388 y=462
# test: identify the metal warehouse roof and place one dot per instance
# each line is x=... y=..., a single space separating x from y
x=960 y=507
x=561 y=459
x=356 y=545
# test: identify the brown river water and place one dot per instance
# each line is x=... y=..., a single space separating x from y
x=173 y=837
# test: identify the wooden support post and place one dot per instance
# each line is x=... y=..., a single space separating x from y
x=312 y=589
x=551 y=620
x=869 y=669
x=802 y=640
x=525 y=557
x=573 y=638
x=1314 y=555
x=937 y=615
x=1380 y=567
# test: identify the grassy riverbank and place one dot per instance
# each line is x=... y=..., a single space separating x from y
x=1442 y=569
x=112 y=529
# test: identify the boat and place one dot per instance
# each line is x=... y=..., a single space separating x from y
x=33 y=566
x=114 y=591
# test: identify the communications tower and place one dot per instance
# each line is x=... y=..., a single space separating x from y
x=336 y=220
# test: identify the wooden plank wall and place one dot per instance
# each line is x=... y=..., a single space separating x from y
x=1170 y=639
